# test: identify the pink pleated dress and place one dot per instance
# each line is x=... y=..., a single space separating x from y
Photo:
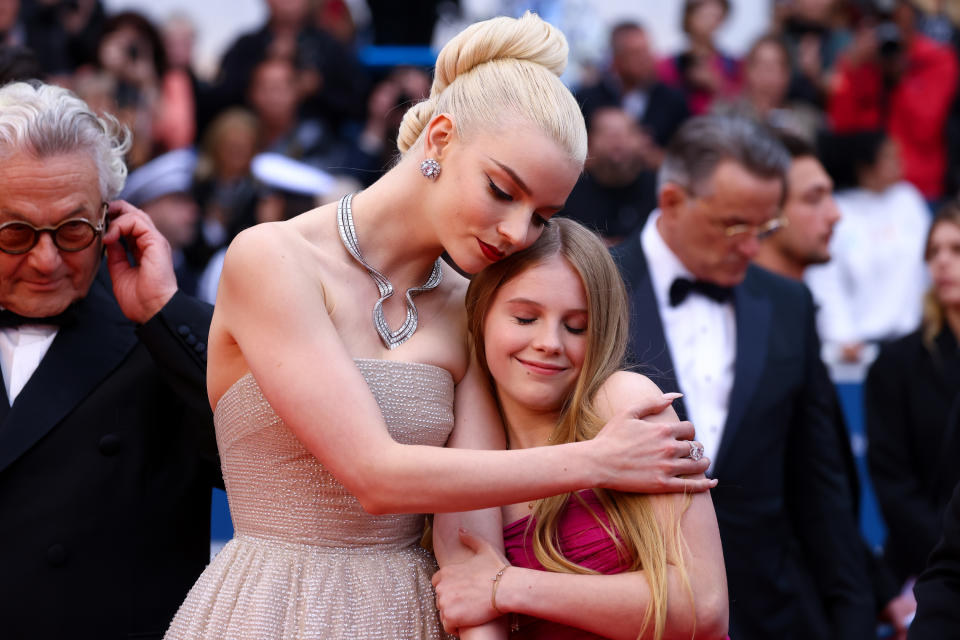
x=583 y=541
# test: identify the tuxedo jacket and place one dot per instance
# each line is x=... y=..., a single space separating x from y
x=938 y=588
x=910 y=396
x=107 y=459
x=794 y=559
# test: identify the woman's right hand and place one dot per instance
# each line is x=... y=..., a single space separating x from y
x=644 y=456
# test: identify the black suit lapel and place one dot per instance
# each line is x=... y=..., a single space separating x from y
x=80 y=357
x=648 y=350
x=753 y=315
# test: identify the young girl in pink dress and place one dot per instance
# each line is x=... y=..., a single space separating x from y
x=550 y=328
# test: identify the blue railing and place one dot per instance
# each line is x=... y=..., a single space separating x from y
x=394 y=55
x=871 y=522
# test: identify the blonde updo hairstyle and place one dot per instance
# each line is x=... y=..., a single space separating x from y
x=498 y=69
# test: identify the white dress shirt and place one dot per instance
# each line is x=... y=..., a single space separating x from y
x=21 y=350
x=701 y=334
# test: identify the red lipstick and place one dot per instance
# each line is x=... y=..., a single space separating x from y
x=490 y=252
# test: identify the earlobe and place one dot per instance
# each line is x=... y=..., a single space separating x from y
x=440 y=132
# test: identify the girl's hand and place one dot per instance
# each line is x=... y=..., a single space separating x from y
x=465 y=589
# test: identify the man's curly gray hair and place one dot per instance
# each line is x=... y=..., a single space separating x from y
x=44 y=120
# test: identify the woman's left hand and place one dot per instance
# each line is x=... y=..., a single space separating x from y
x=464 y=589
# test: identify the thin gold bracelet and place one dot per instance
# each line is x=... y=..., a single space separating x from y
x=496 y=583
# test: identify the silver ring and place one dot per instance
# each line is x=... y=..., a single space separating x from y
x=696 y=450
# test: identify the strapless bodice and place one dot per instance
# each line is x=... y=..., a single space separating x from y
x=278 y=490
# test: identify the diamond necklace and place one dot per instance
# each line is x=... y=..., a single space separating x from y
x=348 y=234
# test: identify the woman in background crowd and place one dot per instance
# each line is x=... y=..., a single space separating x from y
x=702 y=71
x=912 y=411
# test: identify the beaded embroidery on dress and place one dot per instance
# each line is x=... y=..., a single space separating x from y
x=307 y=561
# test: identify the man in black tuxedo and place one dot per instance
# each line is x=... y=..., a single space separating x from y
x=107 y=452
x=740 y=343
x=632 y=84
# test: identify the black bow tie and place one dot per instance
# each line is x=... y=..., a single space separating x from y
x=682 y=287
x=10 y=319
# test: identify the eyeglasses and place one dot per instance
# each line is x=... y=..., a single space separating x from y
x=761 y=231
x=76 y=234
x=742 y=230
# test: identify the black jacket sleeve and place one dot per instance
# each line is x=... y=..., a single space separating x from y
x=938 y=588
x=821 y=505
x=908 y=509
x=177 y=340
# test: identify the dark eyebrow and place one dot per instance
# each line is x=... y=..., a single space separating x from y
x=513 y=174
x=523 y=185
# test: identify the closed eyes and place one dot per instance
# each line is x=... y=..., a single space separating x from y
x=499 y=193
x=574 y=330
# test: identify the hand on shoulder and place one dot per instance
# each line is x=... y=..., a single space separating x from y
x=626 y=389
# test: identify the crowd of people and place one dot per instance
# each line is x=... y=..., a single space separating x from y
x=771 y=221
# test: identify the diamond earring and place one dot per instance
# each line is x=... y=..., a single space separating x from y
x=430 y=168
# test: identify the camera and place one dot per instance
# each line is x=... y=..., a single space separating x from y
x=889 y=39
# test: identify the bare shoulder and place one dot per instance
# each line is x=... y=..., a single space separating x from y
x=623 y=390
x=260 y=244
x=271 y=245
x=265 y=261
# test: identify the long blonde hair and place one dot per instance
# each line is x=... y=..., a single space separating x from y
x=634 y=527
x=496 y=69
x=934 y=315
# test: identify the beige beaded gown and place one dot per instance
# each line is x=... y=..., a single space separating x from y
x=307 y=561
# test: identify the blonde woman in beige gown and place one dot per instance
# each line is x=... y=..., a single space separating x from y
x=331 y=424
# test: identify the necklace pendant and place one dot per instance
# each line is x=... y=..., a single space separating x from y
x=390 y=339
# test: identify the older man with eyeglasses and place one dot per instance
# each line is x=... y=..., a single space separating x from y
x=740 y=343
x=107 y=451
